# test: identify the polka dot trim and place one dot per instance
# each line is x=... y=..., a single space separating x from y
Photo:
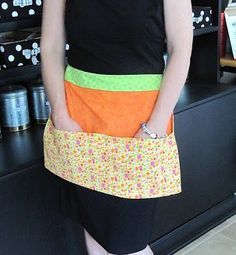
x=112 y=82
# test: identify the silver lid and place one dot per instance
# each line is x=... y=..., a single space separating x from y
x=36 y=87
x=12 y=91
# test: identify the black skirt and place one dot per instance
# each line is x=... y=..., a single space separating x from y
x=120 y=225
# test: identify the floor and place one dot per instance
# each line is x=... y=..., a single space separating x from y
x=221 y=240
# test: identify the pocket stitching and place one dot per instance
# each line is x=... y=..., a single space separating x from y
x=119 y=138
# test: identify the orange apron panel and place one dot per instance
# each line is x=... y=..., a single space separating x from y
x=116 y=113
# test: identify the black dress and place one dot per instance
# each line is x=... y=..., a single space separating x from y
x=109 y=179
x=120 y=225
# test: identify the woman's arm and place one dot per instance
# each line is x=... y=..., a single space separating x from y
x=179 y=35
x=52 y=46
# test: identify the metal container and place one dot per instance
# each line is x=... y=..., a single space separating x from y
x=39 y=103
x=14 y=110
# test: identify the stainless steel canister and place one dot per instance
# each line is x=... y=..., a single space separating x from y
x=14 y=109
x=39 y=103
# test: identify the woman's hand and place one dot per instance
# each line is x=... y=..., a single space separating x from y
x=65 y=122
x=141 y=134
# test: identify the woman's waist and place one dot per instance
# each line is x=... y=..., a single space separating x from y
x=115 y=113
x=110 y=104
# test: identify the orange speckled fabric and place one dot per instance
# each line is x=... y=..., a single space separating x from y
x=116 y=113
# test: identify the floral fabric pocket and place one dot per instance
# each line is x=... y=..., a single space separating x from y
x=126 y=167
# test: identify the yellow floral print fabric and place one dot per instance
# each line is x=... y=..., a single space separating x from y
x=126 y=167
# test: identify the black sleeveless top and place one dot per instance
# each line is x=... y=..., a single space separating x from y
x=116 y=36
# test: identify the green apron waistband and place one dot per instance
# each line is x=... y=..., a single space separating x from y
x=111 y=82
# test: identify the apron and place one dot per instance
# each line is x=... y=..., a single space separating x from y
x=105 y=156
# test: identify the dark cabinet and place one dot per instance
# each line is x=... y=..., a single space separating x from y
x=206 y=135
x=205 y=54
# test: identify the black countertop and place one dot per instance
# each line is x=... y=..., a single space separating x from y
x=199 y=92
x=20 y=150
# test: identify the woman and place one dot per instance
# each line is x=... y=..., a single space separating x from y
x=94 y=139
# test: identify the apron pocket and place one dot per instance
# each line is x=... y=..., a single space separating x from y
x=127 y=167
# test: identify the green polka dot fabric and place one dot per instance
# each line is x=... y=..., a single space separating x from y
x=110 y=82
